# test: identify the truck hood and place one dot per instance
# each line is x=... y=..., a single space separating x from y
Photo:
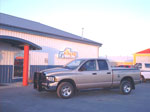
x=54 y=71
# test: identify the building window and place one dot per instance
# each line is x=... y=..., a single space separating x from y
x=18 y=67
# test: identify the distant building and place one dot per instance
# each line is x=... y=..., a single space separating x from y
x=120 y=60
x=37 y=47
x=142 y=56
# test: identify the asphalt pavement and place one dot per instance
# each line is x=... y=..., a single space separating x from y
x=16 y=98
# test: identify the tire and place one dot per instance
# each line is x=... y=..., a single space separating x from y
x=125 y=87
x=143 y=79
x=65 y=90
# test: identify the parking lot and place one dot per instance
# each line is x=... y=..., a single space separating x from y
x=15 y=98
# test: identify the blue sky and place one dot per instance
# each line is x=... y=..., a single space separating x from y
x=122 y=26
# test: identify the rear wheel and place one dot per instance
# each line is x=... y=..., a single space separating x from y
x=65 y=90
x=143 y=79
x=125 y=87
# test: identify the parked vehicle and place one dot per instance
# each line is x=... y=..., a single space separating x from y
x=126 y=66
x=145 y=70
x=86 y=74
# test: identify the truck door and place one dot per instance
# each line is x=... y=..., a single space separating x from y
x=104 y=74
x=86 y=75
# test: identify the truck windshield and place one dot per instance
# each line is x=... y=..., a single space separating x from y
x=74 y=64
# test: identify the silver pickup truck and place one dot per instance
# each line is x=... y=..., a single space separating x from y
x=86 y=74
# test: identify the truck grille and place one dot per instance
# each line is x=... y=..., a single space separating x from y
x=38 y=79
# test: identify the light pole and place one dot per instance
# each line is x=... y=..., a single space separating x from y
x=82 y=32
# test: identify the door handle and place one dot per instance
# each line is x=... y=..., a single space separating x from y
x=94 y=73
x=108 y=72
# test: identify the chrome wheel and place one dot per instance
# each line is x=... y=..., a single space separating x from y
x=127 y=88
x=66 y=91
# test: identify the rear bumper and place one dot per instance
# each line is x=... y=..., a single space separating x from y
x=41 y=84
x=137 y=81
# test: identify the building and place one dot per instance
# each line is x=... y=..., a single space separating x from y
x=27 y=46
x=120 y=60
x=142 y=56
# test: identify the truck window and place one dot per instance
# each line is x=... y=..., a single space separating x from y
x=138 y=65
x=147 y=65
x=102 y=64
x=88 y=66
x=74 y=64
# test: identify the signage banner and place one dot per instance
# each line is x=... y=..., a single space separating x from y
x=67 y=53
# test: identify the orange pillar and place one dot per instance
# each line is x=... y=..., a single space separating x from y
x=25 y=65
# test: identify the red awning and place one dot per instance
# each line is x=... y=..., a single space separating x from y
x=146 y=51
x=18 y=42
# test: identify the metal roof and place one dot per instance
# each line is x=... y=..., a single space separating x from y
x=146 y=51
x=28 y=26
x=18 y=42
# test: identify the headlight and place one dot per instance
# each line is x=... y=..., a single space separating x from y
x=51 y=78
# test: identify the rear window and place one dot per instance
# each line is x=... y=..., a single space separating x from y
x=102 y=65
x=138 y=65
x=147 y=65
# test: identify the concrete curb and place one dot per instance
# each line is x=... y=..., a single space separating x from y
x=12 y=85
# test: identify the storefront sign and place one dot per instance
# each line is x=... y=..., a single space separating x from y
x=19 y=55
x=67 y=53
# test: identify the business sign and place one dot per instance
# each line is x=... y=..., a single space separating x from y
x=19 y=55
x=67 y=53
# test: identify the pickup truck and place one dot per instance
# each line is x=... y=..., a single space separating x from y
x=86 y=74
x=145 y=70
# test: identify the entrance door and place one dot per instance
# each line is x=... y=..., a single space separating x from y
x=18 y=67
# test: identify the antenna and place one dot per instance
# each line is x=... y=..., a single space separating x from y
x=82 y=32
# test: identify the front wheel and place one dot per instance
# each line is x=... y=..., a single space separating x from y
x=65 y=90
x=142 y=79
x=125 y=87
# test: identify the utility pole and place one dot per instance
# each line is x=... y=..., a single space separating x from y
x=82 y=32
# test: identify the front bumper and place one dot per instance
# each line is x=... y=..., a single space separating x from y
x=49 y=86
x=41 y=84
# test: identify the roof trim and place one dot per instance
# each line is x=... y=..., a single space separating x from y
x=17 y=29
x=18 y=42
x=146 y=51
x=27 y=26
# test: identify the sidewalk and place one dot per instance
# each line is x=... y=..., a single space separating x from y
x=11 y=85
